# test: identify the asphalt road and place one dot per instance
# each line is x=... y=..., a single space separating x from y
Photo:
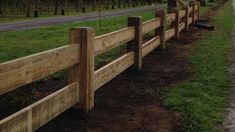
x=30 y=24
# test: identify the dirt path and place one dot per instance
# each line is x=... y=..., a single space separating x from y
x=229 y=124
x=23 y=25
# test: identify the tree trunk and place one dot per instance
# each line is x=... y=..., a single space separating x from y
x=56 y=7
x=1 y=6
x=76 y=3
x=94 y=5
x=28 y=8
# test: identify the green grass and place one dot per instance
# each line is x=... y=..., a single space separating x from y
x=69 y=12
x=201 y=100
x=21 y=43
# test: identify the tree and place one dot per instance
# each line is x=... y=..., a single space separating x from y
x=1 y=5
x=28 y=8
x=56 y=7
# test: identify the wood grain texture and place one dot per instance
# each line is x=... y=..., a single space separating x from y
x=170 y=17
x=114 y=39
x=111 y=70
x=196 y=7
x=161 y=31
x=150 y=45
x=169 y=34
x=190 y=9
x=186 y=18
x=181 y=26
x=192 y=3
x=19 y=72
x=136 y=44
x=176 y=22
x=151 y=25
x=190 y=20
x=182 y=13
x=87 y=57
x=42 y=111
x=196 y=16
x=198 y=10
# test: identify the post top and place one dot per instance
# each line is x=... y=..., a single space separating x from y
x=82 y=28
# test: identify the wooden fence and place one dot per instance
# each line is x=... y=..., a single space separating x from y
x=78 y=57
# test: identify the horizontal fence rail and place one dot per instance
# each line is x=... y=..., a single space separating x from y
x=150 y=45
x=78 y=58
x=39 y=113
x=111 y=40
x=19 y=72
x=111 y=70
x=151 y=25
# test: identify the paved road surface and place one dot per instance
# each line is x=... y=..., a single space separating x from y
x=29 y=24
x=229 y=124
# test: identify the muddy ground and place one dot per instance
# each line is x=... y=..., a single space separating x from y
x=130 y=102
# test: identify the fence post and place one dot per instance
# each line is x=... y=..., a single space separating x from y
x=198 y=11
x=192 y=3
x=84 y=71
x=177 y=22
x=161 y=30
x=186 y=17
x=136 y=44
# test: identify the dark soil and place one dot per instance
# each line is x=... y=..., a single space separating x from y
x=132 y=101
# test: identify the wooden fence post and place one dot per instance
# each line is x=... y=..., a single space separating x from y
x=193 y=12
x=84 y=71
x=198 y=11
x=136 y=44
x=186 y=18
x=176 y=22
x=161 y=30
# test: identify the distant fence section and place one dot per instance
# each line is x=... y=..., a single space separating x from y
x=78 y=57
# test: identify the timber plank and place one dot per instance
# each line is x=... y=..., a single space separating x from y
x=111 y=70
x=151 y=25
x=169 y=34
x=22 y=71
x=42 y=111
x=114 y=39
x=150 y=45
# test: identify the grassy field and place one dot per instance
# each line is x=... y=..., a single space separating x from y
x=21 y=43
x=69 y=12
x=201 y=101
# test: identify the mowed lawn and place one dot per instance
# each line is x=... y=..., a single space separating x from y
x=22 y=43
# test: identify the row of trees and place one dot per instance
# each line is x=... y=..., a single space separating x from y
x=29 y=7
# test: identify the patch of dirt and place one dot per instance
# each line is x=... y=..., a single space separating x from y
x=132 y=101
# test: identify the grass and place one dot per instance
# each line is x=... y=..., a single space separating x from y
x=69 y=12
x=21 y=43
x=201 y=100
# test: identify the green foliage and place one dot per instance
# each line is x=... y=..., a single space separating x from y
x=202 y=100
